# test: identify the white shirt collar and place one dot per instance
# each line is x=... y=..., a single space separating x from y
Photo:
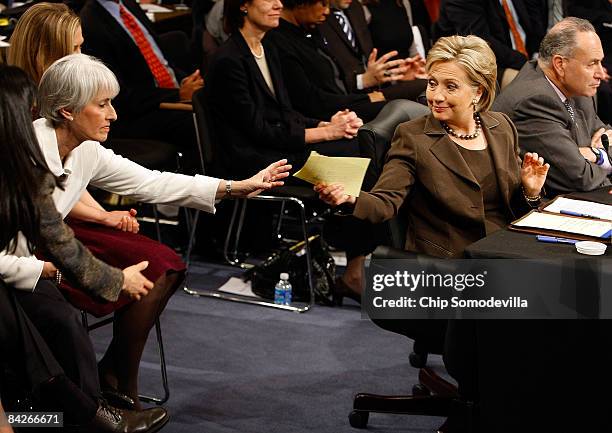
x=44 y=129
x=557 y=91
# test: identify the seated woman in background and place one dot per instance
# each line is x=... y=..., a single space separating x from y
x=75 y=101
x=253 y=118
x=457 y=170
x=60 y=369
x=43 y=34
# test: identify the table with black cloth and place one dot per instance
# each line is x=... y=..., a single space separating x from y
x=535 y=375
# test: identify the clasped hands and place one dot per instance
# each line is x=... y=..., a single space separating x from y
x=383 y=70
x=343 y=124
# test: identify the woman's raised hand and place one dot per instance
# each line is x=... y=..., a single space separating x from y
x=533 y=173
x=135 y=284
x=333 y=194
x=267 y=178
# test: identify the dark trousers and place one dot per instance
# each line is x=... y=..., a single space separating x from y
x=60 y=325
x=22 y=347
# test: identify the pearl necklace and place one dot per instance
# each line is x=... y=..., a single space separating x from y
x=471 y=136
x=261 y=50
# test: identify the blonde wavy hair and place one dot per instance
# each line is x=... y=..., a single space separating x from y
x=43 y=34
x=475 y=56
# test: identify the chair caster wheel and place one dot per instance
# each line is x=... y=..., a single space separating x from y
x=359 y=419
x=419 y=389
x=418 y=360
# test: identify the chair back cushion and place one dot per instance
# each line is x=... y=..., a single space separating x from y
x=375 y=136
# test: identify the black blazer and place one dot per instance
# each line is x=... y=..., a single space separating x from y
x=253 y=127
x=486 y=18
x=351 y=61
x=106 y=40
x=314 y=82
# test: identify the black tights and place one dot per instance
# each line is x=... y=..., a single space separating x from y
x=119 y=366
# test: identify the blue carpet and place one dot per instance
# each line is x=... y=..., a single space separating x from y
x=236 y=368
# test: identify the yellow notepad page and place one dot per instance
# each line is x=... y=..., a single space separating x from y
x=331 y=169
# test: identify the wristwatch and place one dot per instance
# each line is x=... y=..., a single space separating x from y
x=599 y=158
x=228 y=188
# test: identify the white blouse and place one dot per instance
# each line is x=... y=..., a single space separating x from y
x=92 y=164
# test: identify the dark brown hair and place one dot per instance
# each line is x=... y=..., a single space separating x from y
x=233 y=17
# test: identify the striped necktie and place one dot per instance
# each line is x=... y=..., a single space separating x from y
x=570 y=109
x=346 y=28
x=518 y=40
x=159 y=71
x=556 y=12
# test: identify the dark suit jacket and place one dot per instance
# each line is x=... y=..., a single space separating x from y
x=545 y=127
x=106 y=39
x=486 y=18
x=310 y=76
x=350 y=61
x=253 y=127
x=443 y=200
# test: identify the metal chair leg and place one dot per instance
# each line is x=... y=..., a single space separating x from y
x=162 y=356
x=235 y=298
x=157 y=227
x=164 y=374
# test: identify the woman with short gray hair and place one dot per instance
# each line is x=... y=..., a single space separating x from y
x=75 y=101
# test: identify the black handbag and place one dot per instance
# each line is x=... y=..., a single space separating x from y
x=292 y=260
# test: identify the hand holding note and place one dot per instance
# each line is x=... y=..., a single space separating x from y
x=326 y=170
x=334 y=194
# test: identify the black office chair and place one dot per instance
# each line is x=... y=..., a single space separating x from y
x=432 y=395
x=285 y=195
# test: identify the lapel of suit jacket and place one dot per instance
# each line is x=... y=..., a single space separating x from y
x=335 y=25
x=572 y=125
x=360 y=27
x=112 y=27
x=500 y=154
x=445 y=150
x=251 y=63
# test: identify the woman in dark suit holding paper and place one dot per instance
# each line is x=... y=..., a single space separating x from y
x=457 y=171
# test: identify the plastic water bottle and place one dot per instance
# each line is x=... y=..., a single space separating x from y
x=288 y=290
x=279 y=289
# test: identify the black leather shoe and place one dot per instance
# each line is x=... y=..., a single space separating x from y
x=109 y=419
x=118 y=399
x=341 y=289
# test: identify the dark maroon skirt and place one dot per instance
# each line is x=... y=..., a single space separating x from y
x=118 y=249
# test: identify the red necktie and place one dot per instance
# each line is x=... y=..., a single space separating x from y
x=518 y=41
x=159 y=71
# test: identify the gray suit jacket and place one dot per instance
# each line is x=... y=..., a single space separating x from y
x=544 y=126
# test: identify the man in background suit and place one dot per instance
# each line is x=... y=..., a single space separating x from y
x=551 y=103
x=145 y=73
x=514 y=34
x=353 y=51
